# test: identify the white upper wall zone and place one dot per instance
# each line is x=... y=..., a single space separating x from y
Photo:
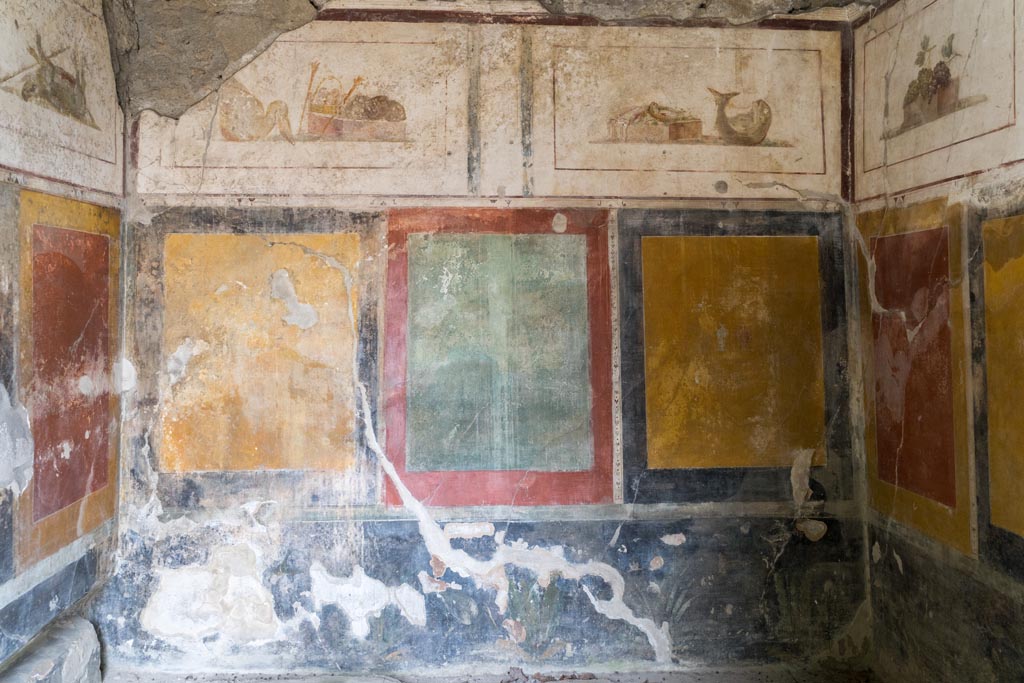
x=937 y=88
x=329 y=109
x=59 y=117
x=392 y=109
x=659 y=112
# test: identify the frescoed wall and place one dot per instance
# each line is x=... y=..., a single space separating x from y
x=59 y=116
x=505 y=110
x=935 y=102
x=937 y=154
x=222 y=406
x=265 y=332
x=494 y=340
x=503 y=317
x=475 y=512
x=915 y=370
x=1001 y=242
x=328 y=109
x=452 y=474
x=685 y=112
x=62 y=165
x=59 y=405
x=734 y=321
x=69 y=313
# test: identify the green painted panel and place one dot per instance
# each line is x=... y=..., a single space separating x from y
x=498 y=353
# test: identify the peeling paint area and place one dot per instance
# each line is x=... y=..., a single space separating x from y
x=361 y=597
x=222 y=598
x=15 y=445
x=177 y=362
x=391 y=611
x=299 y=314
x=125 y=376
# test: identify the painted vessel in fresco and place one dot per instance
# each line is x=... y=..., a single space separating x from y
x=747 y=128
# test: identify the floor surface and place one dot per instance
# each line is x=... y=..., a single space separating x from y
x=772 y=674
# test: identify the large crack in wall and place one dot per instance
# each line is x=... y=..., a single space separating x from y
x=221 y=602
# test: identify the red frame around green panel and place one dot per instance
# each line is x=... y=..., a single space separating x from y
x=501 y=487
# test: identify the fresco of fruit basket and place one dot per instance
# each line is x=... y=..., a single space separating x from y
x=655 y=123
x=934 y=92
x=333 y=112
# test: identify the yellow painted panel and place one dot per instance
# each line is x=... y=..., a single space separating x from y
x=259 y=343
x=1004 y=351
x=733 y=351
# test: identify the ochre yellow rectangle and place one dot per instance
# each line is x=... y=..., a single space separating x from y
x=1004 y=352
x=733 y=351
x=259 y=343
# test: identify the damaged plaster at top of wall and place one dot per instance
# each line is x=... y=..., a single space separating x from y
x=168 y=56
x=733 y=11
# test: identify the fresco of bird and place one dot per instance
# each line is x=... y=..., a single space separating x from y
x=746 y=128
x=244 y=119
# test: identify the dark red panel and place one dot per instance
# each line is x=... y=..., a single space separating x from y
x=69 y=397
x=913 y=364
x=503 y=487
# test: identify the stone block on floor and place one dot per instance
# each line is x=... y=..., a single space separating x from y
x=67 y=653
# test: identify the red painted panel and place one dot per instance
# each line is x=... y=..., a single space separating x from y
x=913 y=364
x=505 y=487
x=69 y=397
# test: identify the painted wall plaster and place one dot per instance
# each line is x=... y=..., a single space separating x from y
x=354 y=585
x=969 y=125
x=256 y=378
x=960 y=156
x=510 y=112
x=60 y=132
x=45 y=567
x=264 y=565
x=59 y=117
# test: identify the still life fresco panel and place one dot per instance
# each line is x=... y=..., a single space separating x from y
x=60 y=117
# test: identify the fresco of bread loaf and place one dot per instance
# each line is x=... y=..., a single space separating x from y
x=935 y=91
x=48 y=84
x=332 y=111
x=656 y=123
